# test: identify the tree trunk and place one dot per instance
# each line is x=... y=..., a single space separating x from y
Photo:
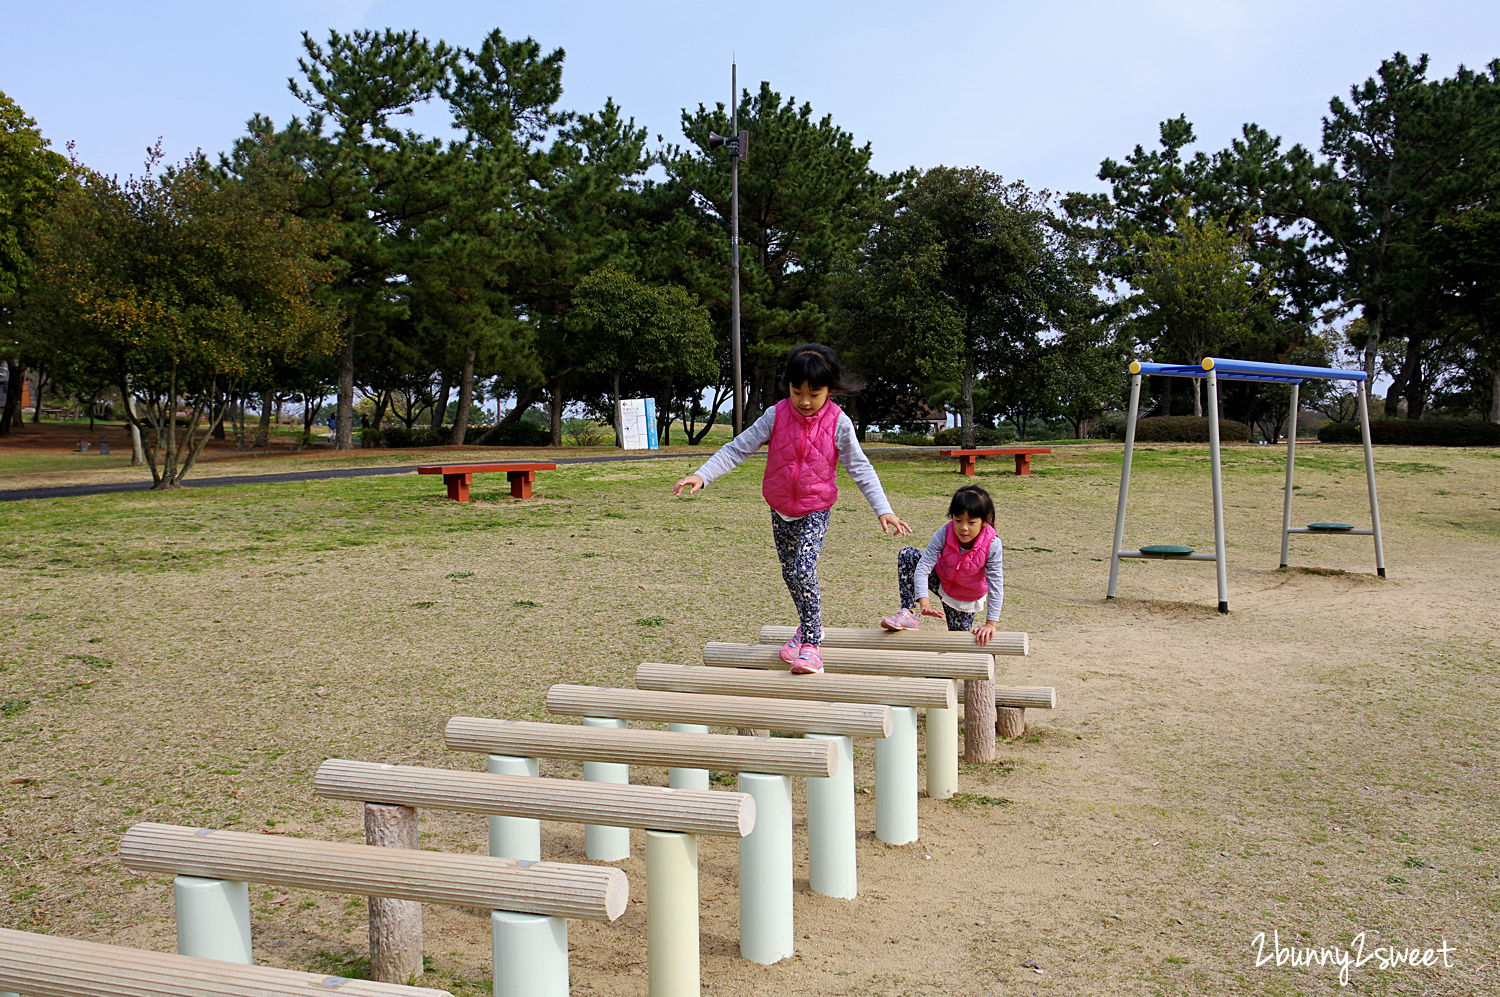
x=1495 y=395
x=619 y=423
x=1411 y=373
x=440 y=404
x=343 y=437
x=137 y=451
x=523 y=403
x=465 y=400
x=10 y=416
x=966 y=408
x=556 y=409
x=1197 y=397
x=36 y=403
x=263 y=431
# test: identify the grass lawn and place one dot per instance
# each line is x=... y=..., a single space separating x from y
x=1318 y=764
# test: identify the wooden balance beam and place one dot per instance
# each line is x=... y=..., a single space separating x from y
x=895 y=756
x=49 y=966
x=979 y=704
x=830 y=802
x=765 y=766
x=671 y=818
x=529 y=902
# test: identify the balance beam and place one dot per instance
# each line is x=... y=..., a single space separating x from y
x=49 y=966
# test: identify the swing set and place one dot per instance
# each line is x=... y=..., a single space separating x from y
x=1212 y=369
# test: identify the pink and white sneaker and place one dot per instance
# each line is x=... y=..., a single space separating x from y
x=903 y=619
x=809 y=661
x=790 y=649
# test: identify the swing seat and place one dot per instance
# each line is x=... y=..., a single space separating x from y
x=1331 y=527
x=1166 y=550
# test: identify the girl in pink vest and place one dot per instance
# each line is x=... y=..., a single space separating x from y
x=806 y=436
x=962 y=563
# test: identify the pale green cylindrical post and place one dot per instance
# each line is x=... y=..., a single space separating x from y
x=213 y=919
x=766 y=871
x=600 y=842
x=672 y=914
x=515 y=837
x=531 y=954
x=688 y=778
x=942 y=752
x=1221 y=556
x=830 y=825
x=896 y=779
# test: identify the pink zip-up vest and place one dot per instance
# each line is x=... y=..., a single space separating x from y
x=962 y=571
x=801 y=459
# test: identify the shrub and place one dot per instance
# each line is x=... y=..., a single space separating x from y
x=517 y=434
x=907 y=439
x=1416 y=432
x=369 y=436
x=1184 y=429
x=984 y=436
x=400 y=436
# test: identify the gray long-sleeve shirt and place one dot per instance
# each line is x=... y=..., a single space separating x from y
x=732 y=454
x=994 y=573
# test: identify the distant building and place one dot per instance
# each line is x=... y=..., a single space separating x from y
x=5 y=389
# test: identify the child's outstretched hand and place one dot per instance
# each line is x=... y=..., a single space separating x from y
x=927 y=610
x=985 y=632
x=692 y=483
x=889 y=522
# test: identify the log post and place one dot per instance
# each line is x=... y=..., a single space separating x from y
x=1010 y=721
x=979 y=720
x=395 y=925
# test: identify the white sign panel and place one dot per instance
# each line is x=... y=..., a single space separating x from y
x=636 y=418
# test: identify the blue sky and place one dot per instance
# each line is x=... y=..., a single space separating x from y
x=1039 y=92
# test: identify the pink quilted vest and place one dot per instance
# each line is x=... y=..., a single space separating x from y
x=801 y=459
x=962 y=571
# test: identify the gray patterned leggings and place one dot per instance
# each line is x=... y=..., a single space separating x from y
x=906 y=585
x=798 y=545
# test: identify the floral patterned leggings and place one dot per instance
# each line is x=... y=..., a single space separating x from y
x=798 y=545
x=906 y=585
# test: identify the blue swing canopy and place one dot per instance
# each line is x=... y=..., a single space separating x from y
x=1247 y=370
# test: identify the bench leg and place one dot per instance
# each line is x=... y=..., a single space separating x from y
x=967 y=465
x=1023 y=463
x=520 y=483
x=458 y=486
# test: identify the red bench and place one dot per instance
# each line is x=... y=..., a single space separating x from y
x=458 y=476
x=967 y=459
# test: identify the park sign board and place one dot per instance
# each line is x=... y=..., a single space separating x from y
x=636 y=418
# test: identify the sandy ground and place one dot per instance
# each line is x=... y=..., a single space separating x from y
x=1317 y=767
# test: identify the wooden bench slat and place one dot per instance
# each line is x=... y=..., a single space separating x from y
x=858 y=661
x=919 y=693
x=878 y=638
x=555 y=889
x=48 y=966
x=483 y=468
x=794 y=715
x=528 y=739
x=650 y=807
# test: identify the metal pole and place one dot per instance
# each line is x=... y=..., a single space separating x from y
x=1291 y=460
x=734 y=250
x=1114 y=550
x=1364 y=428
x=1218 y=479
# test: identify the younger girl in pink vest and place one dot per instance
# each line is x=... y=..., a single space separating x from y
x=962 y=563
x=807 y=435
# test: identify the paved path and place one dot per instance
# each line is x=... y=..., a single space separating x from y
x=69 y=491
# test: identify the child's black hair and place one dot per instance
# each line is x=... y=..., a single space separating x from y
x=818 y=366
x=973 y=501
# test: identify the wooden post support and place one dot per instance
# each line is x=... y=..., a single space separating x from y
x=395 y=925
x=979 y=721
x=1010 y=721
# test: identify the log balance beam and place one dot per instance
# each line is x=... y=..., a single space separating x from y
x=672 y=819
x=764 y=765
x=49 y=966
x=529 y=902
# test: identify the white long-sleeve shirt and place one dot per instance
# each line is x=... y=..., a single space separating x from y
x=994 y=575
x=732 y=454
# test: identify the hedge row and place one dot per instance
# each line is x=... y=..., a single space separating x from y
x=1416 y=432
x=1184 y=429
x=984 y=436
x=517 y=434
